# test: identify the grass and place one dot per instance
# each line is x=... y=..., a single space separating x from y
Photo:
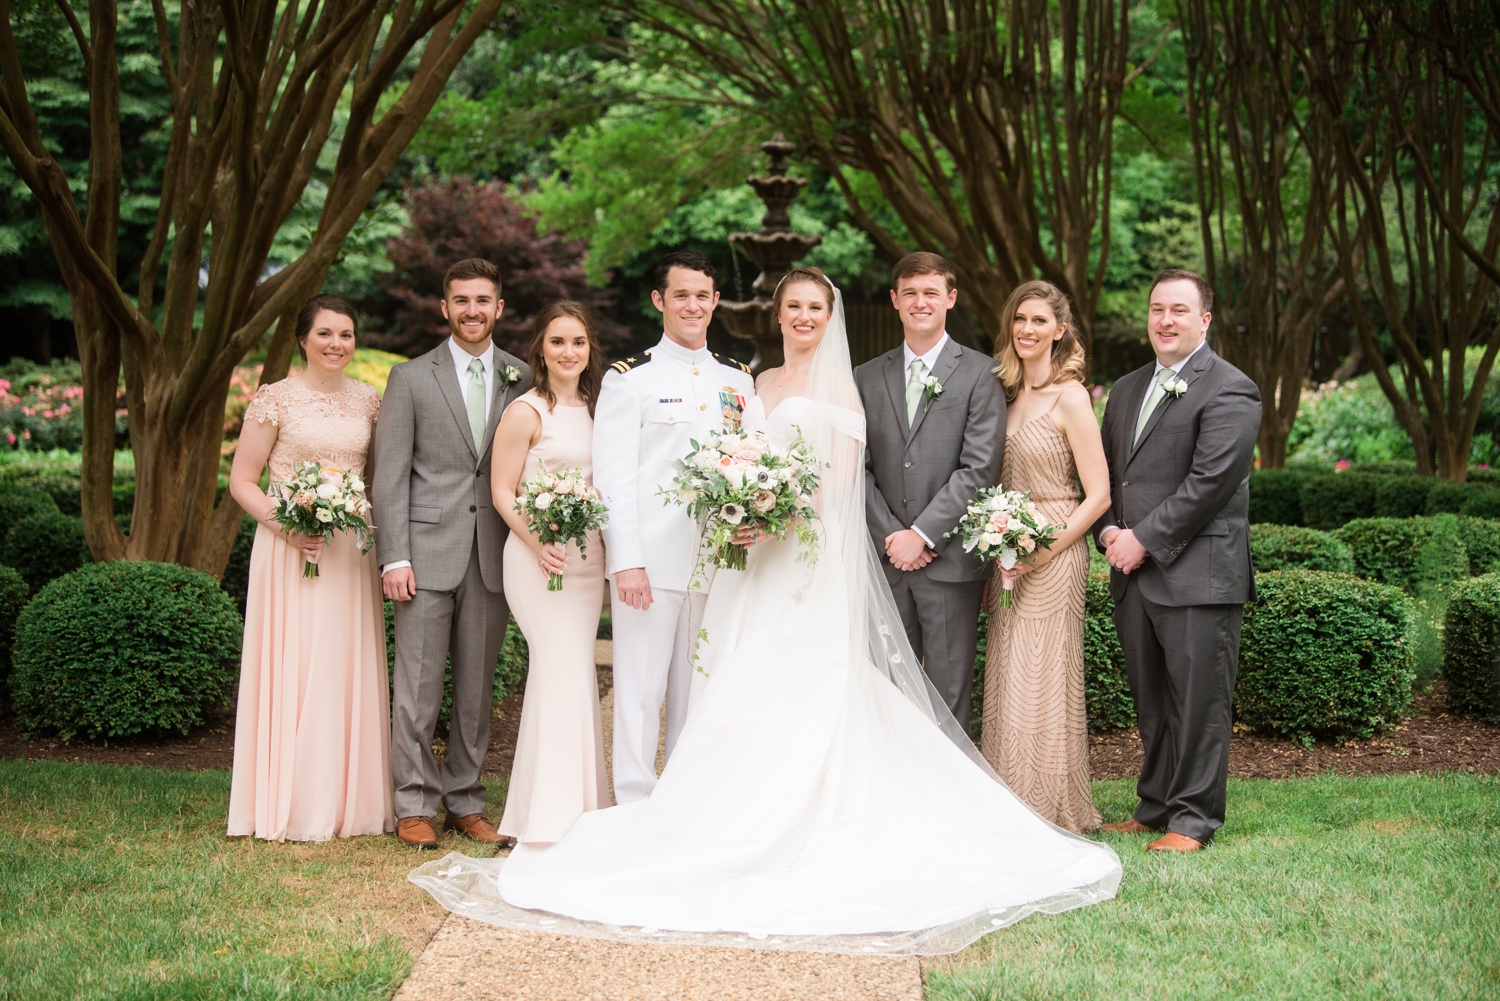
x=119 y=883
x=1332 y=887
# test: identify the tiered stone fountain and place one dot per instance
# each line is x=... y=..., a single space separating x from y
x=774 y=249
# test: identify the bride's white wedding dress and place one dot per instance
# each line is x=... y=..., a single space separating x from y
x=814 y=799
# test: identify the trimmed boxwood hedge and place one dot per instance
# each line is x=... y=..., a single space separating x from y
x=1333 y=499
x=20 y=503
x=1401 y=496
x=123 y=648
x=14 y=595
x=1325 y=655
x=1106 y=689
x=43 y=547
x=1482 y=538
x=1288 y=547
x=1471 y=647
x=1407 y=552
x=1276 y=496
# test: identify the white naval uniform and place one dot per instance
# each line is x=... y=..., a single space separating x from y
x=650 y=408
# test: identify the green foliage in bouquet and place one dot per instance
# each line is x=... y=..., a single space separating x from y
x=43 y=547
x=124 y=648
x=1330 y=500
x=1409 y=553
x=14 y=595
x=1292 y=547
x=1106 y=689
x=18 y=503
x=1276 y=496
x=510 y=666
x=1471 y=651
x=1325 y=655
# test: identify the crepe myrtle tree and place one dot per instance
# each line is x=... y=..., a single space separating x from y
x=258 y=87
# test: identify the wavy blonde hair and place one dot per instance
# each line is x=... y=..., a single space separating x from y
x=1068 y=360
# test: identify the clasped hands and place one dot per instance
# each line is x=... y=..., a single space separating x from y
x=907 y=550
x=1123 y=550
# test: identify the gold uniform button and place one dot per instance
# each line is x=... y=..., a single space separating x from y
x=703 y=406
x=695 y=371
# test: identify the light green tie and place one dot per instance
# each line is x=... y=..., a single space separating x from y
x=914 y=389
x=476 y=403
x=1158 y=390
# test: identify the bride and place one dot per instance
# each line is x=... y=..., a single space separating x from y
x=821 y=796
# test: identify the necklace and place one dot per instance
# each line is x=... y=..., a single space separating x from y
x=786 y=373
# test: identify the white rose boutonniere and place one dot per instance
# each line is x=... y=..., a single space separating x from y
x=931 y=390
x=511 y=375
x=1175 y=387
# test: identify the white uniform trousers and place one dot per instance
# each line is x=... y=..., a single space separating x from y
x=653 y=653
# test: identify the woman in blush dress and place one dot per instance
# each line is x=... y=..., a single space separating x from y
x=1035 y=727
x=312 y=752
x=558 y=772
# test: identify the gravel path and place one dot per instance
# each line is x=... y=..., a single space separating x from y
x=479 y=962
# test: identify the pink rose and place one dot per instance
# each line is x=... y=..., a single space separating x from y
x=999 y=521
x=749 y=455
x=764 y=501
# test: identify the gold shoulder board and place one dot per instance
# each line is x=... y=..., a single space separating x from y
x=629 y=363
x=732 y=363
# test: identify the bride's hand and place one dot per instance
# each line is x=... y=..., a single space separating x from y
x=552 y=558
x=747 y=535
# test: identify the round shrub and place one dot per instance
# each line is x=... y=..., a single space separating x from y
x=1484 y=502
x=14 y=594
x=1276 y=496
x=1292 y=547
x=1333 y=499
x=1471 y=634
x=1408 y=552
x=1401 y=496
x=1324 y=654
x=1447 y=497
x=43 y=547
x=1106 y=689
x=20 y=503
x=118 y=649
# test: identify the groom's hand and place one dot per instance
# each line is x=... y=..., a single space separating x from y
x=907 y=550
x=634 y=588
x=399 y=584
x=1124 y=551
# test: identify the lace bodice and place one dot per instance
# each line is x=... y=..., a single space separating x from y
x=312 y=426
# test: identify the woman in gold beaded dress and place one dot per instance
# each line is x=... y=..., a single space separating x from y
x=1035 y=727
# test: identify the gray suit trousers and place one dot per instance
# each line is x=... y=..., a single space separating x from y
x=467 y=623
x=942 y=623
x=1181 y=661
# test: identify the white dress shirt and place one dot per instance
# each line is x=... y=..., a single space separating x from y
x=461 y=359
x=929 y=362
x=1155 y=374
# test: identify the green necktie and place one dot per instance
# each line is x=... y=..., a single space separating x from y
x=914 y=389
x=476 y=403
x=1158 y=390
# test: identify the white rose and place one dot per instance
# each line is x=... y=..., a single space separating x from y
x=543 y=501
x=686 y=496
x=356 y=484
x=735 y=474
x=324 y=515
x=990 y=539
x=729 y=444
x=327 y=490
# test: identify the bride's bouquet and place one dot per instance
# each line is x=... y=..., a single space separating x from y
x=1004 y=525
x=321 y=500
x=739 y=479
x=561 y=508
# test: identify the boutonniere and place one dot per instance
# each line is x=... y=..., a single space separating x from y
x=931 y=390
x=511 y=375
x=1174 y=387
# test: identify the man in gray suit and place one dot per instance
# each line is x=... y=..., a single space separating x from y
x=935 y=422
x=440 y=541
x=1179 y=435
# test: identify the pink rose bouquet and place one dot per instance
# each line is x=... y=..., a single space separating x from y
x=1004 y=525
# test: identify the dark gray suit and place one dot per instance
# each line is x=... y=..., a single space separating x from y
x=431 y=492
x=924 y=476
x=1184 y=490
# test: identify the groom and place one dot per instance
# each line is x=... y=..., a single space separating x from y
x=440 y=543
x=935 y=420
x=1179 y=435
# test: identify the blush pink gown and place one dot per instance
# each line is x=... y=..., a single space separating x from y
x=558 y=772
x=312 y=751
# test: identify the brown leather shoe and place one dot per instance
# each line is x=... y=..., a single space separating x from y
x=476 y=828
x=1175 y=843
x=1128 y=826
x=417 y=832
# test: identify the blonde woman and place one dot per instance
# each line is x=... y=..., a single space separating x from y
x=1035 y=728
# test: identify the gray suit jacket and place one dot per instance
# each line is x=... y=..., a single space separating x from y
x=1184 y=488
x=431 y=492
x=925 y=475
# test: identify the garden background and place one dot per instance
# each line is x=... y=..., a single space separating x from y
x=179 y=177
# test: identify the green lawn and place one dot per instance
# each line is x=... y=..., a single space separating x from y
x=119 y=883
x=1330 y=887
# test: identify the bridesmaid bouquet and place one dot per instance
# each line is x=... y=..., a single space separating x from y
x=736 y=479
x=321 y=500
x=561 y=508
x=1004 y=525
